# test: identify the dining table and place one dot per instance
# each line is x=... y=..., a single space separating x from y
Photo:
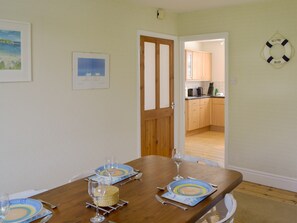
x=142 y=206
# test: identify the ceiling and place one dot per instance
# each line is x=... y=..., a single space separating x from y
x=180 y=6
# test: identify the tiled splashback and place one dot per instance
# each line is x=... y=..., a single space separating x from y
x=220 y=85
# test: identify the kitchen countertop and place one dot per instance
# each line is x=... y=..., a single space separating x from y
x=204 y=96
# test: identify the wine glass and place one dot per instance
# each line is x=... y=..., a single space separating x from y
x=97 y=190
x=177 y=156
x=4 y=206
x=111 y=165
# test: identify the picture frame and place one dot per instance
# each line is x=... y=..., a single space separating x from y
x=90 y=70
x=15 y=51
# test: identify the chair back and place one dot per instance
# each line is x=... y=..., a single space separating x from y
x=231 y=206
x=196 y=159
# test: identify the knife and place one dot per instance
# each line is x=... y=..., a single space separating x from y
x=169 y=202
x=211 y=184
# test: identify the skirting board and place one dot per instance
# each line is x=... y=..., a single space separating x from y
x=267 y=179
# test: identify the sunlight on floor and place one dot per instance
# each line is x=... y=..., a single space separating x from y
x=209 y=145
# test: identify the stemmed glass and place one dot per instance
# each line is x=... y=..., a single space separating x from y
x=111 y=165
x=177 y=156
x=4 y=206
x=97 y=190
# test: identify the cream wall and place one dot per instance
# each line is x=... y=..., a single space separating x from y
x=262 y=102
x=48 y=131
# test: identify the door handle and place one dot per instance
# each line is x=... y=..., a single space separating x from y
x=172 y=105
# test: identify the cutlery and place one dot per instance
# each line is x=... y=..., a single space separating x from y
x=211 y=184
x=169 y=202
x=46 y=218
x=162 y=188
x=52 y=206
x=137 y=177
x=136 y=170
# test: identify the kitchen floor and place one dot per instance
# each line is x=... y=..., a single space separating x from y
x=209 y=145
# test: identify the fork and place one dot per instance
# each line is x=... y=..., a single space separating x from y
x=46 y=218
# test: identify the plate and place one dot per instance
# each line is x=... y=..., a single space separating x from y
x=120 y=171
x=190 y=188
x=22 y=210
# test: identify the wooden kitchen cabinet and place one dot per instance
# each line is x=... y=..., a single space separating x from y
x=218 y=112
x=204 y=112
x=198 y=65
x=192 y=114
x=197 y=113
x=207 y=63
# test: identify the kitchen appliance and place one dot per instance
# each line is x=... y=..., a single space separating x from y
x=199 y=91
x=190 y=92
x=210 y=89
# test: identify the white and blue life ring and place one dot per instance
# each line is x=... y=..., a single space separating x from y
x=283 y=59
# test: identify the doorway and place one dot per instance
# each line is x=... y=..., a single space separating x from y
x=205 y=96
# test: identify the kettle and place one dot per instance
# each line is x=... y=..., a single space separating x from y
x=199 y=91
x=210 y=89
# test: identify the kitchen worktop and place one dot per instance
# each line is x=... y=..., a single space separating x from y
x=204 y=96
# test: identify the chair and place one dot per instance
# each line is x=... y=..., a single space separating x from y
x=220 y=208
x=26 y=194
x=212 y=216
x=196 y=159
x=81 y=175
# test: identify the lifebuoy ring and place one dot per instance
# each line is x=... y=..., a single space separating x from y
x=283 y=59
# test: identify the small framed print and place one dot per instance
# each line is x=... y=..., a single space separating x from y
x=90 y=70
x=15 y=51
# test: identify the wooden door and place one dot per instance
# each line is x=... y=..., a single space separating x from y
x=156 y=95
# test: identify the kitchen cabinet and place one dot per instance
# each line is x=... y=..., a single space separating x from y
x=204 y=112
x=192 y=114
x=198 y=65
x=207 y=63
x=218 y=112
x=197 y=113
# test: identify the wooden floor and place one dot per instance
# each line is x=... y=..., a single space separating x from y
x=210 y=145
x=258 y=204
x=269 y=193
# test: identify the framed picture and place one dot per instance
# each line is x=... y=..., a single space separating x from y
x=15 y=51
x=90 y=70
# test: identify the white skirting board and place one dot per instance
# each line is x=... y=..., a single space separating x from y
x=267 y=179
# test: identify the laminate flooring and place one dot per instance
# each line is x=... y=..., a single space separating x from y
x=209 y=145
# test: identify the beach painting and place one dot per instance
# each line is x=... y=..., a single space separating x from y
x=90 y=70
x=10 y=50
x=15 y=51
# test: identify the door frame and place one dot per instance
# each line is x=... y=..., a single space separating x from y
x=202 y=37
x=175 y=85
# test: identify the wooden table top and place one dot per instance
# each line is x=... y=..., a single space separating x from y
x=143 y=207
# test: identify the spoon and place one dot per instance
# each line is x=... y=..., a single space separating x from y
x=137 y=177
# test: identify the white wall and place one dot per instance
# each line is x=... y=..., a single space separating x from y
x=262 y=99
x=48 y=131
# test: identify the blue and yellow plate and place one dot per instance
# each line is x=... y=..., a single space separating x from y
x=190 y=188
x=22 y=210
